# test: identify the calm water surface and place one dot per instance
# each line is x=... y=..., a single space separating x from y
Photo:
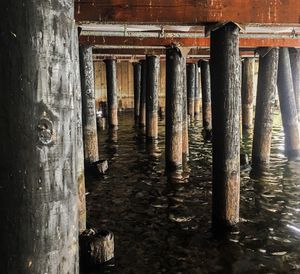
x=164 y=227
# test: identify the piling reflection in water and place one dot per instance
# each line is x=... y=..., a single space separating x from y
x=163 y=224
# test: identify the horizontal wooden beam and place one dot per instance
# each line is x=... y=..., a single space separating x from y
x=202 y=42
x=188 y=12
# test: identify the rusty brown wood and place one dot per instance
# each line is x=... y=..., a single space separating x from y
x=142 y=122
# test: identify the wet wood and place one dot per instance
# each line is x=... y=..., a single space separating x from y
x=89 y=120
x=174 y=95
x=137 y=91
x=248 y=66
x=152 y=92
x=196 y=93
x=191 y=87
x=265 y=99
x=38 y=178
x=288 y=106
x=143 y=94
x=185 y=120
x=112 y=93
x=206 y=95
x=295 y=65
x=226 y=103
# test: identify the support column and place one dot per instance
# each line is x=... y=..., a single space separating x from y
x=191 y=87
x=143 y=94
x=295 y=64
x=174 y=90
x=226 y=103
x=112 y=93
x=206 y=94
x=185 y=121
x=265 y=99
x=89 y=120
x=38 y=184
x=288 y=105
x=196 y=94
x=247 y=92
x=137 y=69
x=152 y=91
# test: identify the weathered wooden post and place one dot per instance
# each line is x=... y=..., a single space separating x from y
x=288 y=106
x=89 y=120
x=112 y=93
x=265 y=99
x=197 y=93
x=185 y=120
x=206 y=94
x=226 y=103
x=137 y=69
x=152 y=91
x=191 y=87
x=248 y=66
x=174 y=90
x=143 y=94
x=295 y=64
x=38 y=182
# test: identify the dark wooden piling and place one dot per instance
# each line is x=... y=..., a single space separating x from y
x=265 y=99
x=288 y=106
x=226 y=103
x=137 y=69
x=191 y=87
x=206 y=94
x=185 y=120
x=38 y=184
x=152 y=92
x=295 y=65
x=112 y=93
x=197 y=94
x=142 y=122
x=248 y=66
x=89 y=121
x=174 y=90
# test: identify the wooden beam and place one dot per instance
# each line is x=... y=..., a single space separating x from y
x=188 y=12
x=202 y=42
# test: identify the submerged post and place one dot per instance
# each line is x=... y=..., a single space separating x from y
x=142 y=121
x=174 y=90
x=247 y=93
x=112 y=93
x=226 y=102
x=89 y=120
x=288 y=105
x=191 y=87
x=206 y=94
x=137 y=69
x=38 y=184
x=185 y=122
x=265 y=99
x=197 y=93
x=295 y=65
x=152 y=91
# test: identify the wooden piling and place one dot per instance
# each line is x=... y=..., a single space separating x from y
x=152 y=92
x=226 y=103
x=295 y=65
x=137 y=69
x=288 y=106
x=185 y=121
x=265 y=99
x=38 y=184
x=196 y=94
x=89 y=120
x=143 y=94
x=206 y=94
x=112 y=93
x=191 y=87
x=248 y=66
x=174 y=97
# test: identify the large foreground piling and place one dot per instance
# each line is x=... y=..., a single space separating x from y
x=295 y=65
x=265 y=99
x=174 y=90
x=89 y=120
x=38 y=186
x=142 y=121
x=206 y=94
x=137 y=69
x=288 y=105
x=226 y=103
x=247 y=92
x=152 y=91
x=191 y=84
x=112 y=93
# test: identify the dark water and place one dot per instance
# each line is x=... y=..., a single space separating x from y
x=162 y=227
